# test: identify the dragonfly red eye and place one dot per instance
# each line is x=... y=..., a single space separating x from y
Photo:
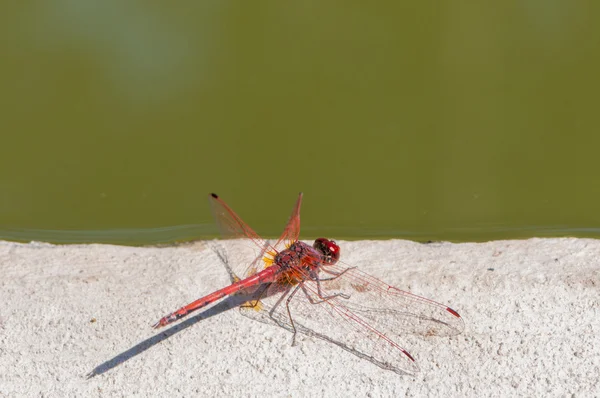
x=329 y=249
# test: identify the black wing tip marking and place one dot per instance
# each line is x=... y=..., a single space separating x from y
x=450 y=310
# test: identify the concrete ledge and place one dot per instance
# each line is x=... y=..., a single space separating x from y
x=531 y=310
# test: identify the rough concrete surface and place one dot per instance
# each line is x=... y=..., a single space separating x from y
x=75 y=321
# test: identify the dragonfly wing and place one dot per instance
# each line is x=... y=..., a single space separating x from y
x=231 y=226
x=331 y=321
x=292 y=229
x=392 y=309
x=367 y=321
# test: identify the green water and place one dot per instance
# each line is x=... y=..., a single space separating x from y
x=419 y=121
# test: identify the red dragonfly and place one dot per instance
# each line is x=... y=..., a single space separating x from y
x=307 y=289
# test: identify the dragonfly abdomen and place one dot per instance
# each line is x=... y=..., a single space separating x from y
x=265 y=276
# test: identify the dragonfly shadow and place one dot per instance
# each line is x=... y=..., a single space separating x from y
x=300 y=328
x=228 y=304
x=225 y=305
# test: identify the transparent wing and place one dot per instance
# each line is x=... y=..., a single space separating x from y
x=292 y=229
x=367 y=320
x=391 y=308
x=231 y=226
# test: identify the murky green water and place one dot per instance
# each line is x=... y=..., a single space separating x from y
x=462 y=122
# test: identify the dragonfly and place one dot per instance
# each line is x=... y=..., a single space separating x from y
x=307 y=289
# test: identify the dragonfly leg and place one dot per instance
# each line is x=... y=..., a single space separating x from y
x=310 y=299
x=321 y=295
x=287 y=306
x=325 y=298
x=335 y=274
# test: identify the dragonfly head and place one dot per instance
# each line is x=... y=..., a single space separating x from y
x=329 y=249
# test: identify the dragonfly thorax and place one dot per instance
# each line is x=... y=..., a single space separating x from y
x=300 y=260
x=322 y=252
x=299 y=254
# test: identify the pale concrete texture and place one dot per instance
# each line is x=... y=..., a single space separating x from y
x=531 y=310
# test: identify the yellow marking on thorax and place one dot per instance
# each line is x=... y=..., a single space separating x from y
x=292 y=276
x=269 y=258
